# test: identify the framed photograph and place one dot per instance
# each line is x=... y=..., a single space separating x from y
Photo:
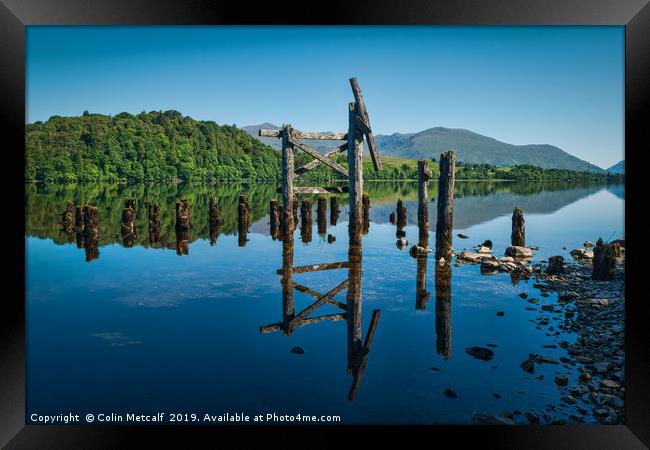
x=338 y=224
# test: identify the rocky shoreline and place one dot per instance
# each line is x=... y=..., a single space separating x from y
x=572 y=303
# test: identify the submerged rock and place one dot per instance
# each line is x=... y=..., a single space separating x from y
x=462 y=236
x=450 y=393
x=298 y=350
x=482 y=353
x=467 y=256
x=529 y=364
x=561 y=380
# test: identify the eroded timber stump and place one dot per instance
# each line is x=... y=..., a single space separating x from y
x=604 y=261
x=183 y=215
x=518 y=236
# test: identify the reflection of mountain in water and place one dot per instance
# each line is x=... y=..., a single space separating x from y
x=472 y=210
x=475 y=202
x=617 y=189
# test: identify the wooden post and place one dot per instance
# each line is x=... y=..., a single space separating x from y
x=130 y=203
x=423 y=203
x=288 y=218
x=518 y=236
x=321 y=215
x=274 y=216
x=128 y=228
x=335 y=210
x=355 y=167
x=154 y=224
x=401 y=223
x=79 y=218
x=91 y=232
x=366 y=212
x=445 y=205
x=443 y=309
x=604 y=261
x=305 y=221
x=67 y=220
x=215 y=220
x=242 y=220
x=183 y=215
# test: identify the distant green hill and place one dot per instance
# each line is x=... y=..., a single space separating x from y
x=619 y=167
x=147 y=146
x=470 y=147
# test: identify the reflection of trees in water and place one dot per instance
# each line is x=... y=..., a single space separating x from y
x=476 y=202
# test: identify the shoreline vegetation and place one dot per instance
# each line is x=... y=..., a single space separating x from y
x=169 y=147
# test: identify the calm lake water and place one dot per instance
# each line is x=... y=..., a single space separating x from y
x=145 y=330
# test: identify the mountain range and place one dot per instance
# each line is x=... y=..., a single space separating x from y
x=470 y=147
x=619 y=167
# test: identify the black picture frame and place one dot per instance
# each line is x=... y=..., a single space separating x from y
x=15 y=15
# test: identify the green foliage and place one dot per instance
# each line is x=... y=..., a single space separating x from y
x=151 y=146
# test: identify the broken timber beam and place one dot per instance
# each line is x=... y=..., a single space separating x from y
x=306 y=135
x=312 y=152
x=320 y=302
x=318 y=190
x=278 y=326
x=363 y=113
x=317 y=295
x=315 y=163
x=319 y=267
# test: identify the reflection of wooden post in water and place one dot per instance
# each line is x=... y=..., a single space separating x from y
x=335 y=210
x=443 y=309
x=128 y=228
x=274 y=219
x=421 y=293
x=91 y=232
x=215 y=220
x=79 y=224
x=242 y=220
x=154 y=224
x=288 y=304
x=182 y=241
x=321 y=215
x=353 y=311
x=518 y=236
x=355 y=168
x=288 y=209
x=305 y=221
x=67 y=221
x=365 y=200
x=445 y=205
x=401 y=218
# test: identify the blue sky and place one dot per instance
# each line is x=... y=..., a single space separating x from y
x=523 y=85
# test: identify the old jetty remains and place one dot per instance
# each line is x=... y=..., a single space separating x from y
x=128 y=228
x=358 y=129
x=445 y=205
x=215 y=220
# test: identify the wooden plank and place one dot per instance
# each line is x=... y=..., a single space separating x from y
x=305 y=135
x=308 y=321
x=362 y=125
x=317 y=295
x=315 y=163
x=322 y=158
x=319 y=267
x=320 y=302
x=270 y=133
x=372 y=145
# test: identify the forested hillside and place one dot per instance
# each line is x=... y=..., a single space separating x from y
x=148 y=146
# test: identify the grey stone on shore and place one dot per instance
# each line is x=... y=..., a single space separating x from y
x=485 y=418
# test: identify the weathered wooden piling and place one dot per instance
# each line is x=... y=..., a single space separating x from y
x=128 y=227
x=421 y=293
x=154 y=223
x=288 y=198
x=355 y=171
x=130 y=203
x=91 y=232
x=321 y=215
x=424 y=174
x=443 y=309
x=214 y=220
x=365 y=200
x=604 y=261
x=305 y=221
x=67 y=220
x=183 y=215
x=275 y=213
x=79 y=219
x=445 y=207
x=518 y=236
x=335 y=210
x=401 y=214
x=242 y=220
